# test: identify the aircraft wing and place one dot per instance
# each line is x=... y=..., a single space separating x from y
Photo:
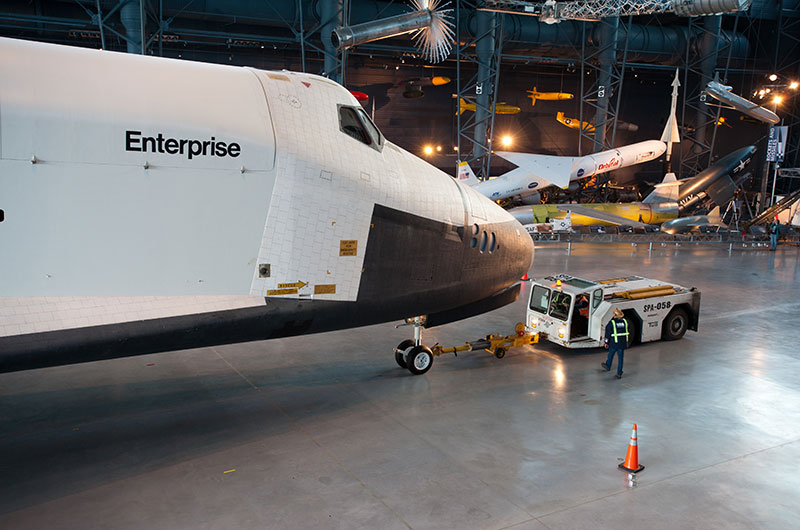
x=554 y=169
x=600 y=215
x=682 y=225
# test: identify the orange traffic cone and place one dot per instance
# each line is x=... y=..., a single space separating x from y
x=632 y=458
x=524 y=278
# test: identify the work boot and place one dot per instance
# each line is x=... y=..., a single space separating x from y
x=605 y=367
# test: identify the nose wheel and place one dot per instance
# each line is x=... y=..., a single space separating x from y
x=419 y=360
x=401 y=352
x=412 y=354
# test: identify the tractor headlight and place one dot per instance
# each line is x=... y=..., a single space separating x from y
x=534 y=322
x=561 y=332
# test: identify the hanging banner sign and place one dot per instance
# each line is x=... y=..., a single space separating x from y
x=776 y=145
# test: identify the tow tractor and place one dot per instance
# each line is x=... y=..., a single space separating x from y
x=418 y=358
x=573 y=312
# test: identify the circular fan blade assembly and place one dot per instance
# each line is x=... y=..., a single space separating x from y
x=430 y=22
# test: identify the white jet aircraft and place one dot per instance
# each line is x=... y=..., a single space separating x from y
x=538 y=171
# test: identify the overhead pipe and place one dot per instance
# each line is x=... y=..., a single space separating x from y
x=131 y=17
x=349 y=36
x=646 y=43
x=695 y=8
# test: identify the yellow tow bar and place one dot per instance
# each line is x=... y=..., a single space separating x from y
x=497 y=345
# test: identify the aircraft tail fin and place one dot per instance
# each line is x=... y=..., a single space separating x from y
x=665 y=191
x=465 y=174
x=532 y=95
x=462 y=105
x=671 y=133
x=714 y=216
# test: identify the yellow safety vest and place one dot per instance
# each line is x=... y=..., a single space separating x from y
x=617 y=335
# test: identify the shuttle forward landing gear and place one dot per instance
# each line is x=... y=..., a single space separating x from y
x=411 y=353
x=418 y=358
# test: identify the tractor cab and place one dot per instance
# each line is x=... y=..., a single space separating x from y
x=561 y=307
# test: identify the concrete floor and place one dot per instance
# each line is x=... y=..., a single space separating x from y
x=327 y=432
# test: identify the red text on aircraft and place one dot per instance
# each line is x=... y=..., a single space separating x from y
x=614 y=162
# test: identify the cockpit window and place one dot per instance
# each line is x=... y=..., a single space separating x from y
x=351 y=125
x=371 y=129
x=355 y=123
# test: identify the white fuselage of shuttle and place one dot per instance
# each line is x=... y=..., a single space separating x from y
x=151 y=203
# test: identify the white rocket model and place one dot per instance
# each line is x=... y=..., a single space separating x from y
x=537 y=171
x=671 y=134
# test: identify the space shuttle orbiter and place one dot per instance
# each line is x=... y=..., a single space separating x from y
x=153 y=204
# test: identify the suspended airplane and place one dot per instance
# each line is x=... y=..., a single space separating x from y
x=655 y=209
x=534 y=172
x=573 y=123
x=723 y=94
x=219 y=205
x=547 y=96
x=499 y=108
x=413 y=88
x=382 y=94
x=663 y=205
x=681 y=225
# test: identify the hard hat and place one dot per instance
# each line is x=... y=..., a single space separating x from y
x=618 y=313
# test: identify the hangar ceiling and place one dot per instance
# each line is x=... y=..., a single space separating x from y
x=291 y=34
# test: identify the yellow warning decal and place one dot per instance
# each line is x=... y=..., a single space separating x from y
x=278 y=292
x=278 y=77
x=348 y=247
x=325 y=289
x=297 y=285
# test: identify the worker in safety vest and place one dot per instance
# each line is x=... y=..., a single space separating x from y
x=774 y=231
x=617 y=337
x=583 y=305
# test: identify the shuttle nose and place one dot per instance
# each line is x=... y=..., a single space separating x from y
x=508 y=246
x=519 y=246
